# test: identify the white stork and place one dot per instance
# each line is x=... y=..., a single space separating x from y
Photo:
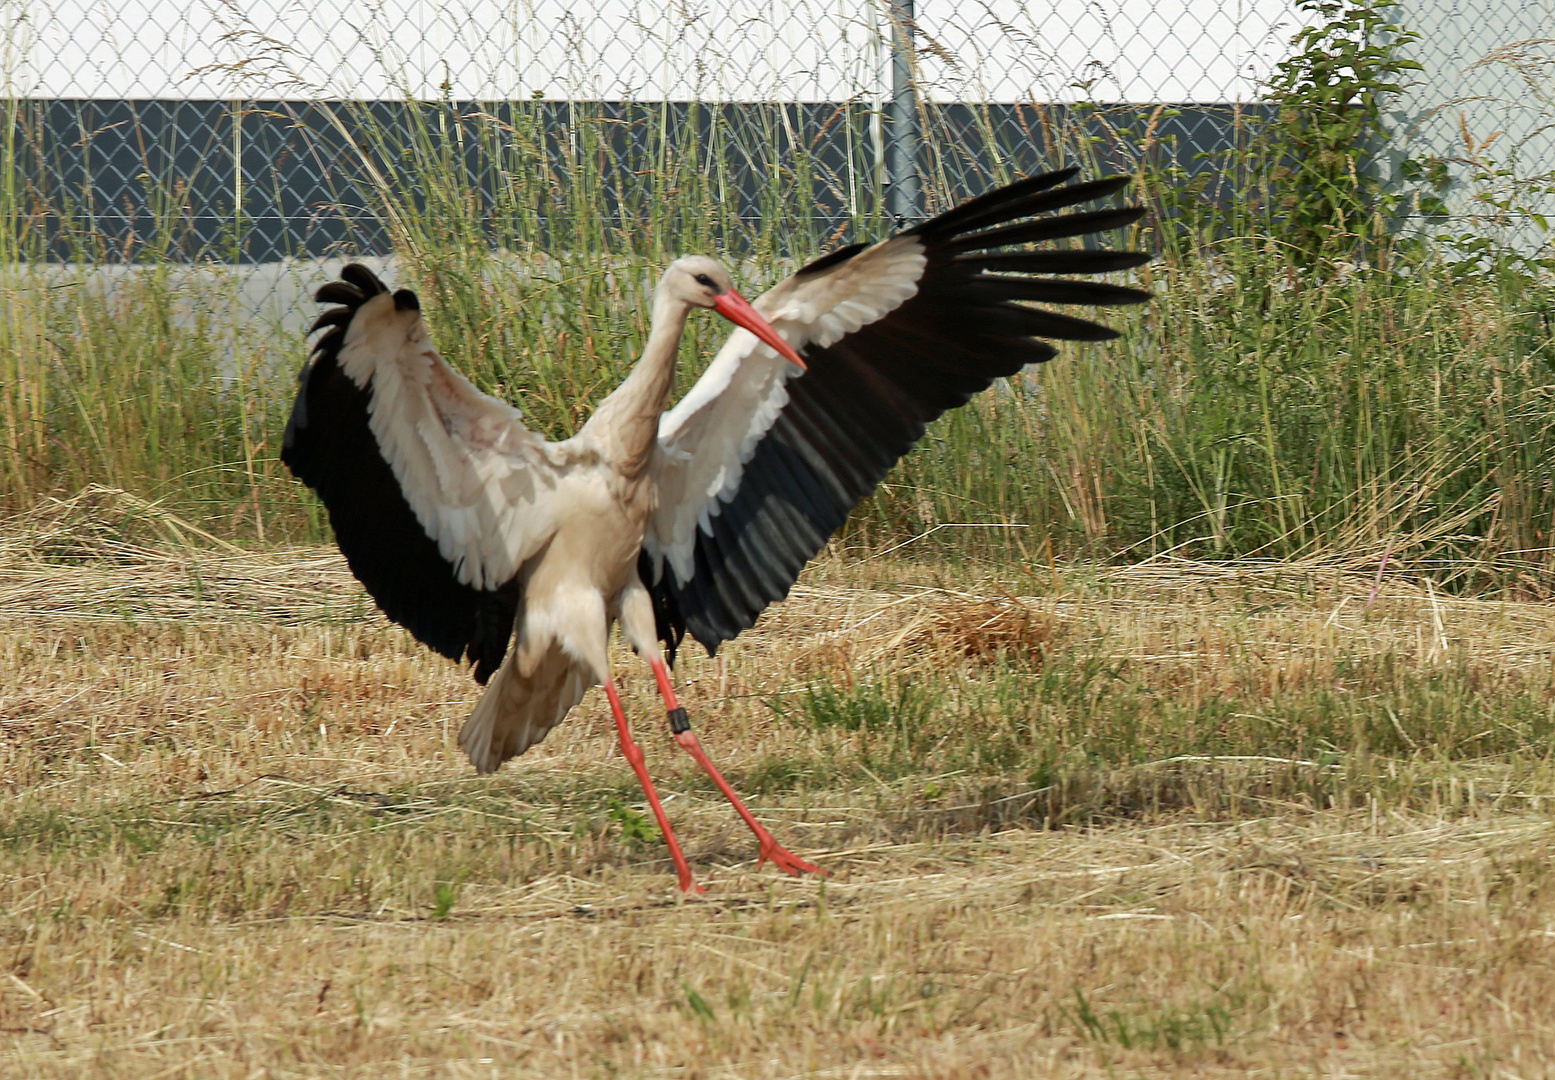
x=473 y=532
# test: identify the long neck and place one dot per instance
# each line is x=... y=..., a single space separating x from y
x=626 y=424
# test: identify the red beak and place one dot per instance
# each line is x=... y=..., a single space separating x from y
x=734 y=307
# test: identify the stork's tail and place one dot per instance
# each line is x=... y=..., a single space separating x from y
x=516 y=711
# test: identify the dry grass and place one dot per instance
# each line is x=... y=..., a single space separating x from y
x=236 y=839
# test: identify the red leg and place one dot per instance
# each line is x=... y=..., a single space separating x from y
x=634 y=756
x=770 y=848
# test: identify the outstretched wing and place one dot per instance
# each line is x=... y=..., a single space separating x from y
x=437 y=492
x=760 y=463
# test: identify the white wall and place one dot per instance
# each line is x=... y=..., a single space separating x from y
x=1486 y=99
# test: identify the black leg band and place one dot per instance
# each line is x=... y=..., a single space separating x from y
x=679 y=724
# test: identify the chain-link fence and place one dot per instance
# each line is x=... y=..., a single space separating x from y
x=259 y=132
x=1483 y=104
x=687 y=50
x=272 y=131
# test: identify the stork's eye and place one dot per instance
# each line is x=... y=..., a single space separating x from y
x=703 y=279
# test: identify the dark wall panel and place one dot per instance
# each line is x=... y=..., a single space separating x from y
x=257 y=181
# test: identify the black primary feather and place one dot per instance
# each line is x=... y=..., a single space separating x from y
x=865 y=399
x=329 y=446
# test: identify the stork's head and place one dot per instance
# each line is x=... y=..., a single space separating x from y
x=698 y=281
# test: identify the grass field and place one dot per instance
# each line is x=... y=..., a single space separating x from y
x=1157 y=819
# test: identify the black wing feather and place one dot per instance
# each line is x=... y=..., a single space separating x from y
x=329 y=446
x=866 y=398
x=1054 y=228
x=1059 y=262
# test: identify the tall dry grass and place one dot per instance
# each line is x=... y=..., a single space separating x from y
x=1248 y=411
x=1251 y=411
x=1269 y=403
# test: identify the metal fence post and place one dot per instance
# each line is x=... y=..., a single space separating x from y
x=903 y=195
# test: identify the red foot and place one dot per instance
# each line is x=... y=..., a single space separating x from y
x=781 y=857
x=689 y=886
x=786 y=860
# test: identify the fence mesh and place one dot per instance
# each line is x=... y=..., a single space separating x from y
x=735 y=50
x=265 y=131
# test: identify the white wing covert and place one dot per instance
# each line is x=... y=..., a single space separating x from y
x=706 y=439
x=436 y=491
x=760 y=463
